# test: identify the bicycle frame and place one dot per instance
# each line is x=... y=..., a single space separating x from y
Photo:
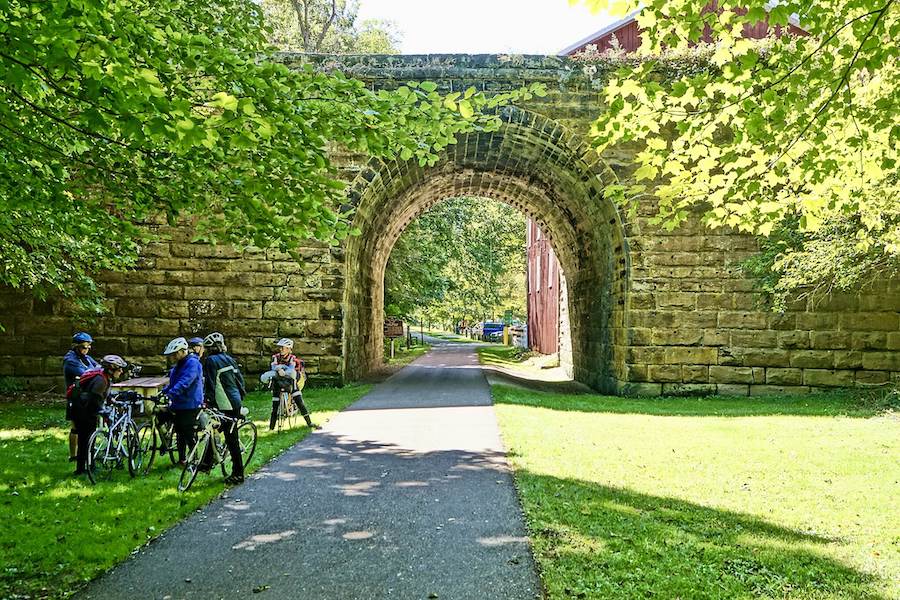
x=118 y=427
x=155 y=435
x=214 y=423
x=117 y=433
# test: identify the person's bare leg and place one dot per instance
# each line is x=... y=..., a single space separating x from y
x=73 y=445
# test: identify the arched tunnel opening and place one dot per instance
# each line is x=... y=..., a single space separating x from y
x=468 y=265
x=531 y=164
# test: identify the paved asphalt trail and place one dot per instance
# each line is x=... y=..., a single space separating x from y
x=407 y=494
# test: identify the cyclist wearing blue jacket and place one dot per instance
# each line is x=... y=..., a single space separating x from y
x=75 y=362
x=225 y=390
x=185 y=392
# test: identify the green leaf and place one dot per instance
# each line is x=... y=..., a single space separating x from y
x=465 y=109
x=225 y=101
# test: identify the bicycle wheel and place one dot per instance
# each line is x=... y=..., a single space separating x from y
x=224 y=456
x=147 y=439
x=247 y=438
x=282 y=412
x=286 y=411
x=167 y=441
x=99 y=463
x=131 y=445
x=192 y=462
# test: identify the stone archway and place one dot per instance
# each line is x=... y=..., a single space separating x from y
x=531 y=163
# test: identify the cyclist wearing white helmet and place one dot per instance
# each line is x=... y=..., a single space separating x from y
x=185 y=392
x=75 y=362
x=224 y=386
x=87 y=396
x=286 y=365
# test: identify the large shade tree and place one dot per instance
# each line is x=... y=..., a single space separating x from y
x=794 y=138
x=113 y=114
x=327 y=26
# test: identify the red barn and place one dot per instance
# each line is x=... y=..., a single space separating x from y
x=628 y=34
x=543 y=285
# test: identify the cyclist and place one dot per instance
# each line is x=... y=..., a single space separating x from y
x=93 y=387
x=196 y=346
x=288 y=366
x=75 y=362
x=184 y=391
x=224 y=385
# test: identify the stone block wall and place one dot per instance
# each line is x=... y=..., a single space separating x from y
x=185 y=289
x=696 y=325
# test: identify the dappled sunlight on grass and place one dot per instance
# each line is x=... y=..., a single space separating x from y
x=22 y=434
x=707 y=498
x=60 y=531
x=402 y=355
x=828 y=405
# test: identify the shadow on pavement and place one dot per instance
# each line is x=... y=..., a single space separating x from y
x=399 y=523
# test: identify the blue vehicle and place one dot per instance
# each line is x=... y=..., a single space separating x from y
x=492 y=331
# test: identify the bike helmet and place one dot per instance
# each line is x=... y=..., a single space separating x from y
x=215 y=338
x=195 y=341
x=82 y=337
x=175 y=345
x=114 y=361
x=287 y=342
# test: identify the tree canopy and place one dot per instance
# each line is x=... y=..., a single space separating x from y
x=462 y=259
x=327 y=26
x=794 y=138
x=116 y=113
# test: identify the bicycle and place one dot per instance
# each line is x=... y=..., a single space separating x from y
x=287 y=410
x=156 y=436
x=211 y=439
x=115 y=441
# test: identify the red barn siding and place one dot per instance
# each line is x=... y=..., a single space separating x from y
x=543 y=292
x=629 y=36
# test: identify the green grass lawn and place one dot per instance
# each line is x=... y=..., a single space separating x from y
x=707 y=498
x=513 y=358
x=402 y=356
x=60 y=531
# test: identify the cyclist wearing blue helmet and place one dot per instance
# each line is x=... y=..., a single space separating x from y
x=75 y=362
x=196 y=346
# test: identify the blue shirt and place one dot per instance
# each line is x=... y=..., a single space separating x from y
x=74 y=364
x=185 y=388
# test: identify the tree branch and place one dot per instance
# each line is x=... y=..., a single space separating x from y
x=327 y=24
x=65 y=123
x=54 y=84
x=791 y=71
x=843 y=80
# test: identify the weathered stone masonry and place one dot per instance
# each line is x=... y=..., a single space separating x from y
x=650 y=311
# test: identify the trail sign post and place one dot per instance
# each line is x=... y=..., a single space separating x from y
x=393 y=329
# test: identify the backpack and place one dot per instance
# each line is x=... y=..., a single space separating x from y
x=74 y=398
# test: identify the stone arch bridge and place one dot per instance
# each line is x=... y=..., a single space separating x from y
x=650 y=311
